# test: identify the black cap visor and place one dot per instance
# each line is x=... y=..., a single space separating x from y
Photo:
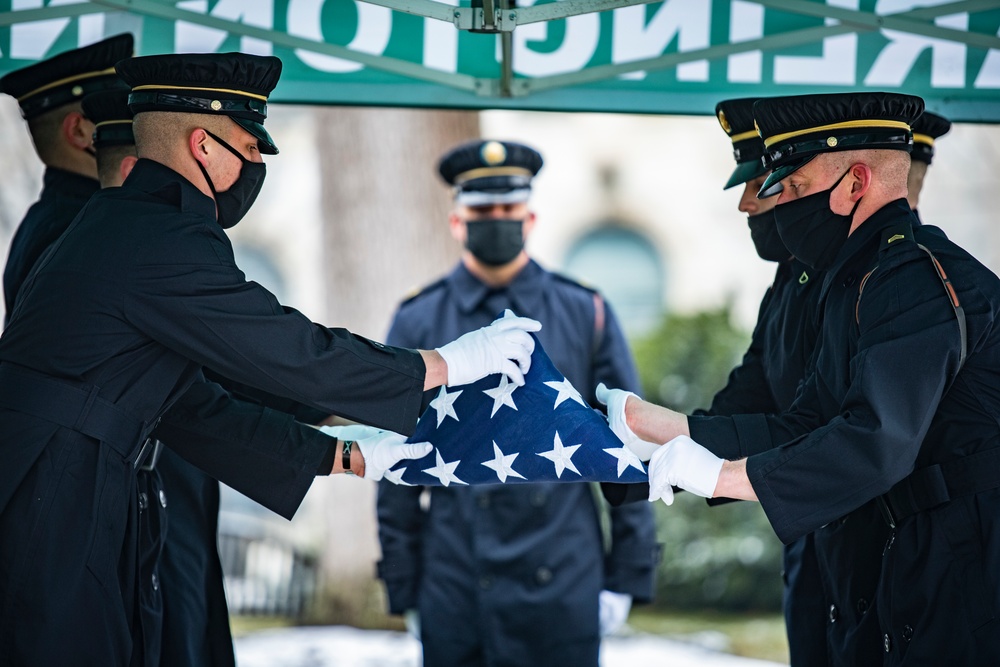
x=264 y=142
x=772 y=184
x=745 y=172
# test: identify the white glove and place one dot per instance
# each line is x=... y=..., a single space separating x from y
x=380 y=449
x=683 y=462
x=615 y=400
x=412 y=619
x=502 y=347
x=613 y=611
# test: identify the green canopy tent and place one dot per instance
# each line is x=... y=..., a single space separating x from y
x=676 y=56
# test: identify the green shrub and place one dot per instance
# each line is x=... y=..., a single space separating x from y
x=720 y=558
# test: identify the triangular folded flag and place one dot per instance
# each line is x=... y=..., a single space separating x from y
x=494 y=432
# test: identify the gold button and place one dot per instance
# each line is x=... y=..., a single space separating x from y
x=77 y=91
x=216 y=105
x=724 y=122
x=831 y=141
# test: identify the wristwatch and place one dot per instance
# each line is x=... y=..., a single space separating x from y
x=345 y=456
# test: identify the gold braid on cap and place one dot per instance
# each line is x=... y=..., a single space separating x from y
x=483 y=172
x=70 y=79
x=845 y=125
x=262 y=98
x=743 y=136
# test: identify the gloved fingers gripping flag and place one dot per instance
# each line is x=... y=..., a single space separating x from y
x=494 y=432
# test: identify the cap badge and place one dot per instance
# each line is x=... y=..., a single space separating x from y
x=216 y=105
x=724 y=123
x=831 y=141
x=493 y=153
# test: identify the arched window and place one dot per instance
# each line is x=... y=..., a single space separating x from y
x=626 y=268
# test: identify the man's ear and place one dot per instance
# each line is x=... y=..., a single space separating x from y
x=861 y=181
x=457 y=227
x=198 y=145
x=529 y=225
x=77 y=131
x=125 y=168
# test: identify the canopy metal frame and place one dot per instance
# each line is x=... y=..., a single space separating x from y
x=499 y=17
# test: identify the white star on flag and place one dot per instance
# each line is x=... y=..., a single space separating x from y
x=444 y=404
x=445 y=472
x=566 y=391
x=502 y=395
x=501 y=464
x=626 y=457
x=561 y=456
x=396 y=476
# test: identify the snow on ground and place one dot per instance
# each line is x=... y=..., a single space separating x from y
x=340 y=646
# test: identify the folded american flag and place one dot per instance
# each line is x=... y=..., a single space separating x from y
x=494 y=432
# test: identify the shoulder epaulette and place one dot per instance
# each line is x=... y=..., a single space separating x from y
x=571 y=281
x=891 y=235
x=423 y=290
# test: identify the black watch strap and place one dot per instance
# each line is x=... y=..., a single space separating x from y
x=345 y=455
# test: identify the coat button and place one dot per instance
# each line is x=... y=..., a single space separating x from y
x=543 y=575
x=143 y=501
x=887 y=643
x=538 y=499
x=485 y=582
x=907 y=632
x=483 y=501
x=862 y=606
x=833 y=613
x=156 y=582
x=163 y=498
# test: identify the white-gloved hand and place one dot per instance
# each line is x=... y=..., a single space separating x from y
x=380 y=449
x=412 y=619
x=502 y=347
x=615 y=400
x=613 y=611
x=684 y=463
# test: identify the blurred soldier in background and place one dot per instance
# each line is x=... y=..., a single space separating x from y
x=513 y=575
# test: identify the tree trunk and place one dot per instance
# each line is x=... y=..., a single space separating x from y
x=385 y=234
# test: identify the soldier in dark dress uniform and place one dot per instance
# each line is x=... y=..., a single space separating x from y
x=144 y=285
x=773 y=367
x=189 y=600
x=892 y=451
x=516 y=575
x=49 y=94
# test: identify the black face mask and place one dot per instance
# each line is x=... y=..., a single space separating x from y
x=764 y=232
x=494 y=241
x=811 y=231
x=234 y=203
